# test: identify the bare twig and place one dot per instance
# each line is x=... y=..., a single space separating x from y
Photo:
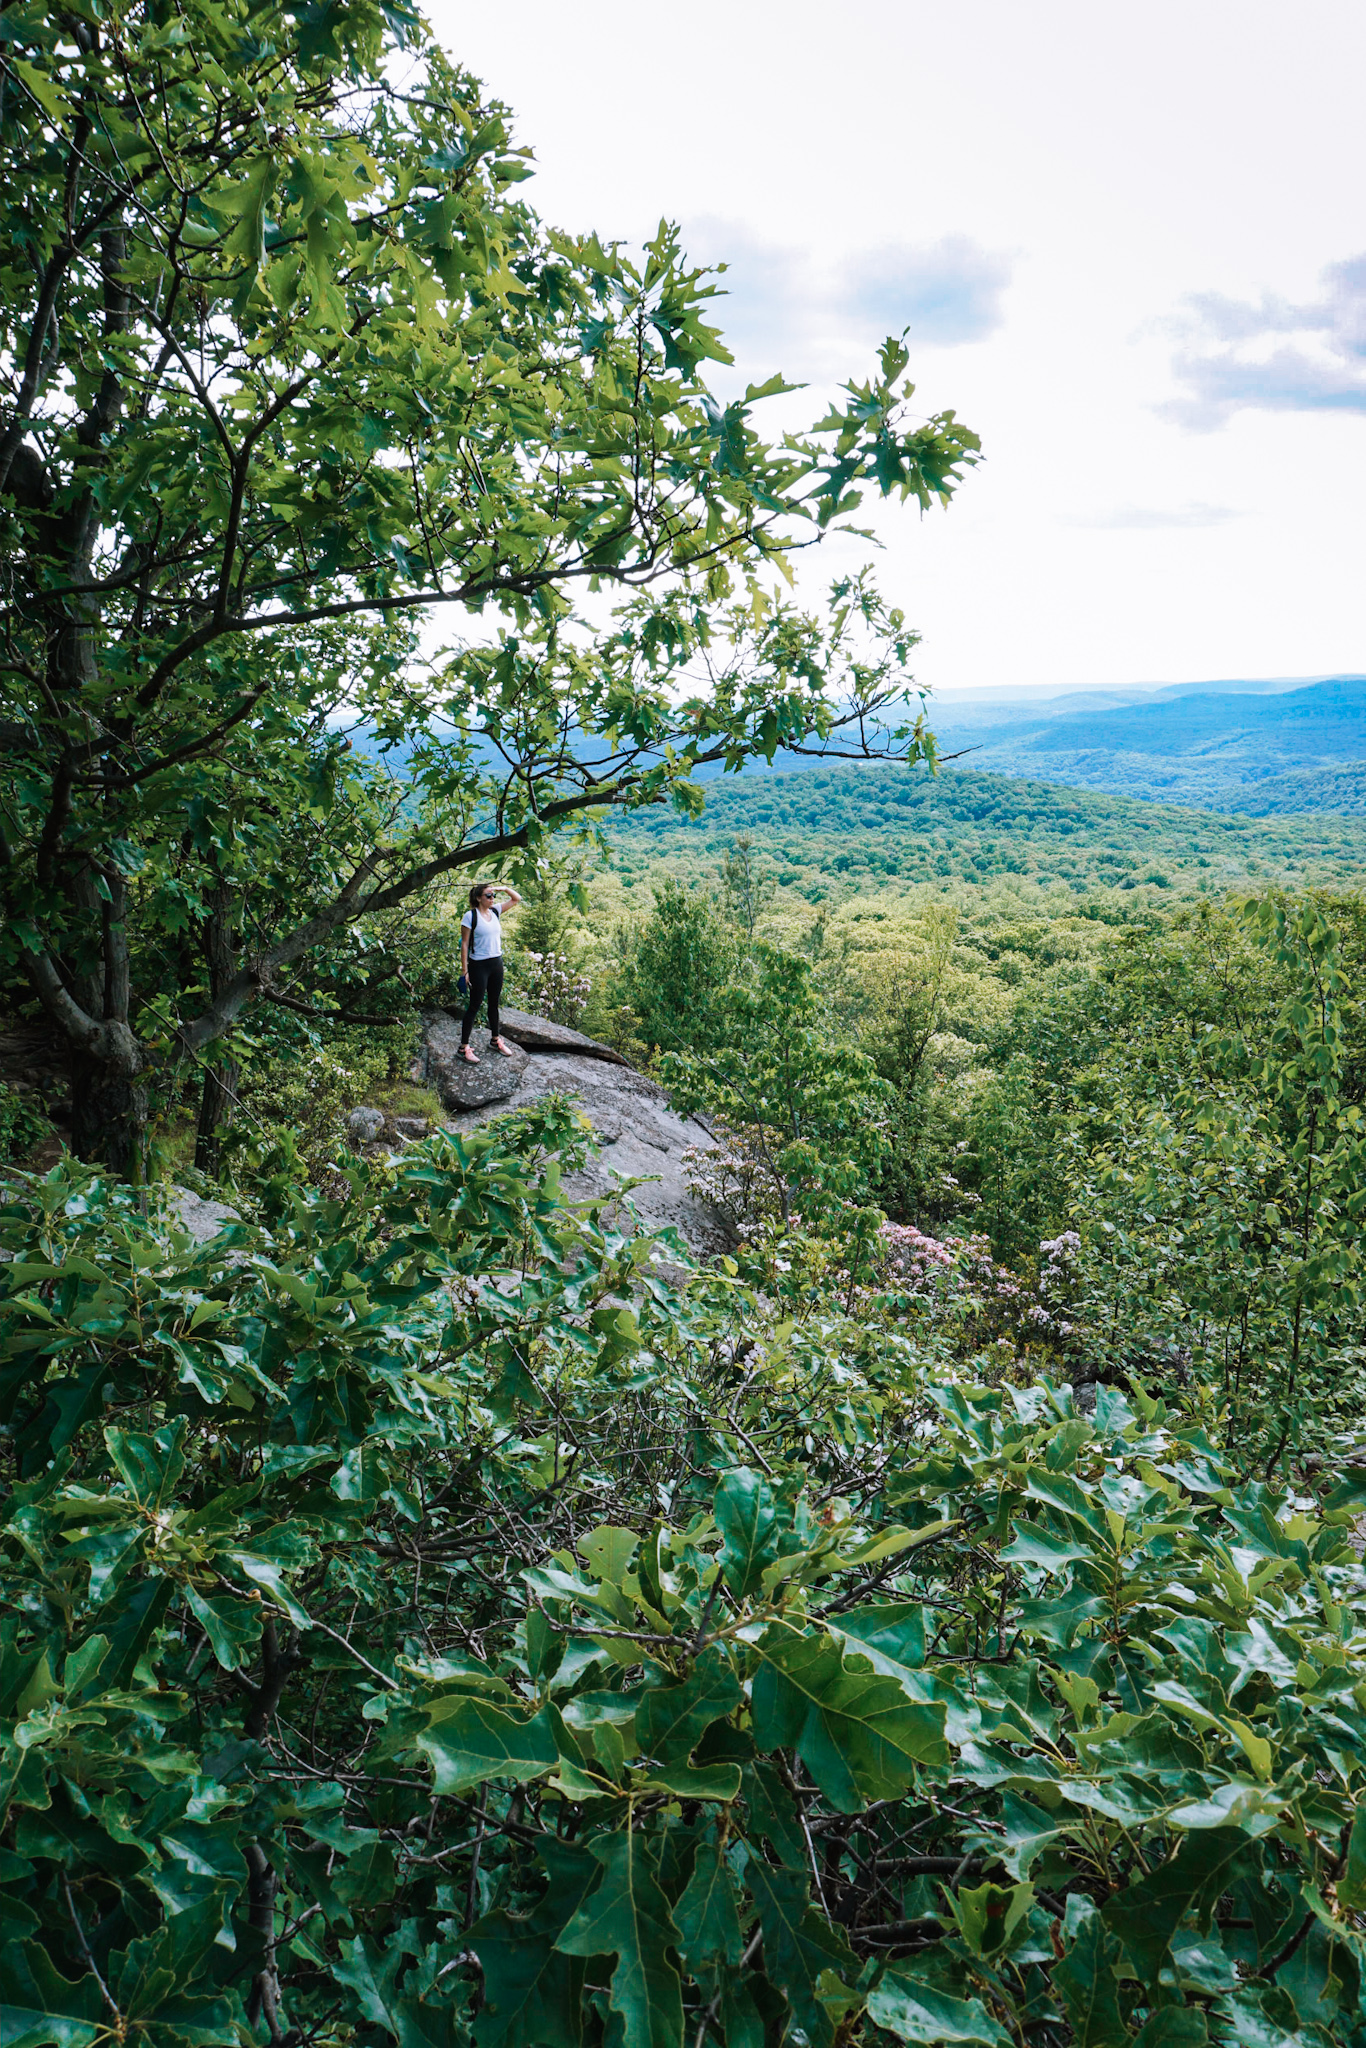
x=90 y=1962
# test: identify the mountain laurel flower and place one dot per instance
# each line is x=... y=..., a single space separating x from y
x=553 y=990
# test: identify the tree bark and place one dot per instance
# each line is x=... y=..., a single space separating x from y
x=109 y=1105
x=217 y=1101
x=222 y=1071
x=90 y=1000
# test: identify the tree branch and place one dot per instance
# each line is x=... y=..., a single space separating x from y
x=33 y=359
x=481 y=590
x=254 y=979
x=77 y=1025
x=188 y=751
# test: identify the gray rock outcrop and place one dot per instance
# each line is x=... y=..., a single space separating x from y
x=462 y=1086
x=364 y=1125
x=538 y=1034
x=198 y=1217
x=637 y=1133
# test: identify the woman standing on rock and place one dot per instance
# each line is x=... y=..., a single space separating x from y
x=481 y=961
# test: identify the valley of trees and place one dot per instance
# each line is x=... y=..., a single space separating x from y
x=865 y=824
x=432 y=1611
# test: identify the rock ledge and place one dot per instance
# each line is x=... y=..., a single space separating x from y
x=638 y=1133
x=538 y=1034
x=461 y=1086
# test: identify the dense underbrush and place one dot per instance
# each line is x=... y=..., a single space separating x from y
x=425 y=1624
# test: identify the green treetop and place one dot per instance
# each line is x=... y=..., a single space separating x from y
x=286 y=356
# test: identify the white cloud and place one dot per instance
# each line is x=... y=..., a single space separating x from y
x=1141 y=518
x=946 y=292
x=1273 y=355
x=802 y=311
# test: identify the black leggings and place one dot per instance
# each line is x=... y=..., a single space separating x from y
x=485 y=979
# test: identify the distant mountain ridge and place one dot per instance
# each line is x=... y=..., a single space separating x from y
x=1217 y=749
x=1258 y=749
x=1030 y=702
x=1326 y=717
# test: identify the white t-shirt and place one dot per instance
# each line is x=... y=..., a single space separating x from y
x=486 y=934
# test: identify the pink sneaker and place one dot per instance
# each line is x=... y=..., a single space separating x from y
x=471 y=1057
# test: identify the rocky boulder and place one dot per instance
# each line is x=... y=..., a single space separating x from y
x=198 y=1217
x=463 y=1087
x=538 y=1034
x=638 y=1135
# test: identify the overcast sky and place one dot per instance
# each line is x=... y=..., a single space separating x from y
x=1130 y=245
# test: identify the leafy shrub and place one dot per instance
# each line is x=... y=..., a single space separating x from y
x=677 y=970
x=733 y=1177
x=617 y=1025
x=407 y=1640
x=432 y=963
x=545 y=919
x=309 y=1092
x=1221 y=1194
x=552 y=989
x=955 y=1286
x=747 y=885
x=21 y=1126
x=804 y=1118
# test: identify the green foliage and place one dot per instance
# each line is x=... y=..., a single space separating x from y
x=307 y=1087
x=1193 y=1109
x=809 y=1114
x=545 y=920
x=747 y=885
x=1222 y=1203
x=21 y=1126
x=291 y=362
x=406 y=1640
x=900 y=1006
x=1182 y=1090
x=676 y=969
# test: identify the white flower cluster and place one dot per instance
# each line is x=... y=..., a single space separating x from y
x=553 y=990
x=732 y=1179
x=959 y=1273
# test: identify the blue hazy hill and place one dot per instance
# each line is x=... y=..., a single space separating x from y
x=1225 y=750
x=1241 y=747
x=1325 y=720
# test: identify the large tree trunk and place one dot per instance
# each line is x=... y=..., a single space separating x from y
x=217 y=1102
x=109 y=1106
x=88 y=996
x=222 y=1071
